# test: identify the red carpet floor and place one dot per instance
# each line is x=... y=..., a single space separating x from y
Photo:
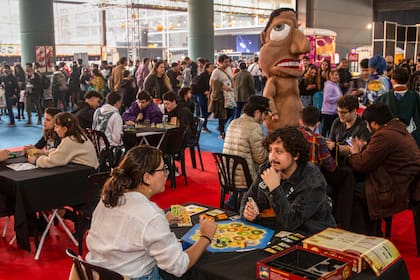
x=203 y=188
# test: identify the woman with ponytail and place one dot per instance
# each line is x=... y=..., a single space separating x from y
x=129 y=233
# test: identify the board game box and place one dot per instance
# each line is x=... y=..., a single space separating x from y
x=297 y=263
x=238 y=235
x=376 y=252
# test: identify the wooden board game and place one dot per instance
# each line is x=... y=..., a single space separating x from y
x=233 y=236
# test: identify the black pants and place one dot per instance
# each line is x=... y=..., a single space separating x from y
x=360 y=220
x=222 y=122
x=343 y=183
x=33 y=100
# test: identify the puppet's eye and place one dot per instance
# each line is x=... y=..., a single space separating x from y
x=279 y=32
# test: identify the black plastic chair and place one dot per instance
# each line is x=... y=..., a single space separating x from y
x=84 y=212
x=108 y=155
x=173 y=146
x=87 y=271
x=227 y=166
x=194 y=141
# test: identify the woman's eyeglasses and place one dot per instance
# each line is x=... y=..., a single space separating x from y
x=165 y=169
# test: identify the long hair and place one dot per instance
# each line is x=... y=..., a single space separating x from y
x=129 y=173
x=164 y=76
x=72 y=123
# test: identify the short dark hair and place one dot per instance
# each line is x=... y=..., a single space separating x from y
x=348 y=101
x=377 y=112
x=113 y=98
x=144 y=95
x=222 y=58
x=52 y=111
x=293 y=141
x=169 y=96
x=400 y=75
x=145 y=59
x=242 y=65
x=364 y=63
x=183 y=91
x=126 y=73
x=122 y=60
x=28 y=64
x=310 y=115
x=305 y=57
x=256 y=102
x=92 y=93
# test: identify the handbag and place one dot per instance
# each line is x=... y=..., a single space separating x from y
x=229 y=98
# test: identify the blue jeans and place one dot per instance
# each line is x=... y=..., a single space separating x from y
x=10 y=102
x=153 y=275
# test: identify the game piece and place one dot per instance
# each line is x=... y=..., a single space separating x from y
x=270 y=250
x=193 y=209
x=222 y=217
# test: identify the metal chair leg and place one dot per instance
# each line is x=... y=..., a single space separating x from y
x=6 y=225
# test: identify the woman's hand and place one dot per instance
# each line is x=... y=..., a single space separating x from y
x=130 y=123
x=171 y=219
x=207 y=227
x=250 y=213
x=32 y=158
x=26 y=148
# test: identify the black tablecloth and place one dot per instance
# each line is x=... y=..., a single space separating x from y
x=41 y=189
x=242 y=265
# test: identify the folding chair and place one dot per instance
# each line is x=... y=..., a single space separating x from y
x=87 y=271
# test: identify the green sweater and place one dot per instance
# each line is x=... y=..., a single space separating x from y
x=407 y=109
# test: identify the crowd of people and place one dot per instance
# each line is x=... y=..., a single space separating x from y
x=353 y=160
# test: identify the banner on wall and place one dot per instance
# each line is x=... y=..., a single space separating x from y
x=45 y=58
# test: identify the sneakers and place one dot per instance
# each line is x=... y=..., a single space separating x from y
x=11 y=125
x=222 y=136
x=28 y=123
x=206 y=130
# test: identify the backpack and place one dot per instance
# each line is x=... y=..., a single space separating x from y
x=46 y=82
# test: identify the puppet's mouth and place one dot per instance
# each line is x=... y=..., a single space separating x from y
x=288 y=63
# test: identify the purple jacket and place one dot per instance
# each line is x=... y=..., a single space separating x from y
x=332 y=93
x=151 y=112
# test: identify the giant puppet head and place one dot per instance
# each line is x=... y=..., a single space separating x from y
x=282 y=44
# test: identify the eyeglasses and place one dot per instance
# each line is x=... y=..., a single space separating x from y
x=165 y=170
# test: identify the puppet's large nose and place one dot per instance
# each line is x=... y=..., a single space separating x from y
x=300 y=44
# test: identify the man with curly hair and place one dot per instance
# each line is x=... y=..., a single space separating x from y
x=290 y=193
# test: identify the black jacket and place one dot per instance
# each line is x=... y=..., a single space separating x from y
x=85 y=114
x=300 y=202
x=11 y=86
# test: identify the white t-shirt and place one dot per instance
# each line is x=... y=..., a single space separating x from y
x=132 y=238
x=219 y=75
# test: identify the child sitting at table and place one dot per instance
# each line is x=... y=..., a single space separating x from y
x=49 y=138
x=129 y=233
x=75 y=146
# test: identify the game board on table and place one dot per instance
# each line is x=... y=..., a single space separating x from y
x=233 y=236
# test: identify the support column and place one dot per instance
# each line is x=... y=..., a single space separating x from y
x=36 y=20
x=200 y=29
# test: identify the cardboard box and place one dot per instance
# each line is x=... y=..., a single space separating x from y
x=297 y=263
